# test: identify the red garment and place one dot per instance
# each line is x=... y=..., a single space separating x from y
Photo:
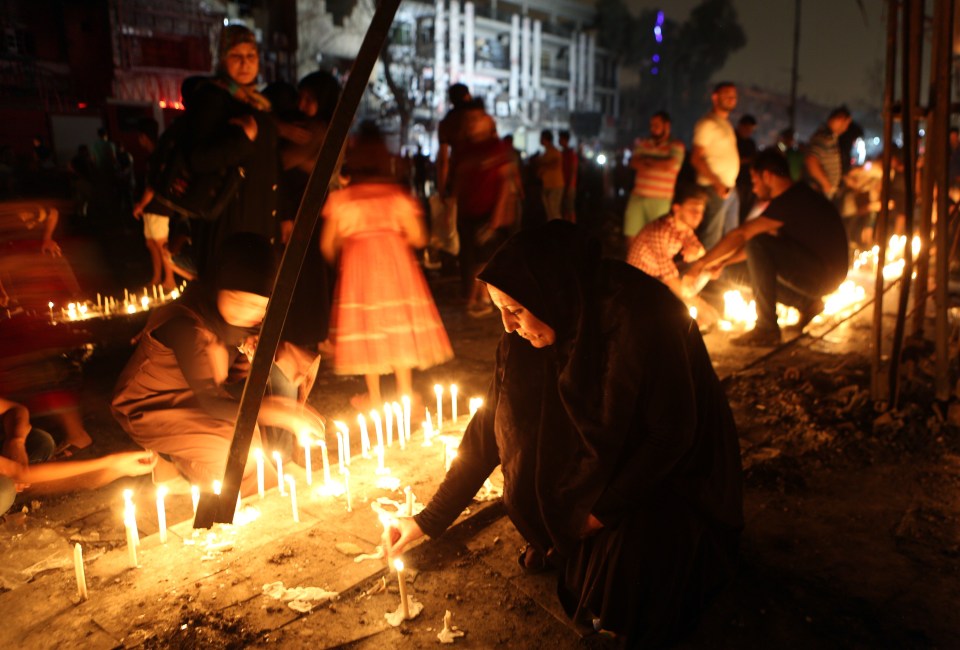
x=655 y=246
x=383 y=312
x=570 y=165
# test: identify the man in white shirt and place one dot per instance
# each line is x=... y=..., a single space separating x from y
x=717 y=164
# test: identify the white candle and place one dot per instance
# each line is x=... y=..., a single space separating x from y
x=217 y=486
x=162 y=513
x=50 y=305
x=258 y=455
x=345 y=430
x=375 y=415
x=398 y=564
x=279 y=462
x=340 y=464
x=364 y=436
x=155 y=294
x=410 y=500
x=292 y=484
x=126 y=296
x=346 y=483
x=426 y=434
x=130 y=526
x=381 y=469
x=162 y=296
x=307 y=456
x=99 y=302
x=326 y=463
x=144 y=302
x=195 y=496
x=401 y=435
x=475 y=404
x=438 y=389
x=79 y=572
x=429 y=426
x=406 y=415
x=453 y=403
x=388 y=415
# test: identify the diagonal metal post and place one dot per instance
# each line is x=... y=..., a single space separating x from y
x=213 y=508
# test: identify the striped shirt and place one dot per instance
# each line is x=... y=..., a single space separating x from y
x=824 y=147
x=656 y=182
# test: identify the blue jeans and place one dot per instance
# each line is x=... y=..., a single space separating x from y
x=720 y=216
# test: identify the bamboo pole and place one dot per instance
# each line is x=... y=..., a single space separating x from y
x=213 y=508
x=912 y=37
x=879 y=388
x=943 y=21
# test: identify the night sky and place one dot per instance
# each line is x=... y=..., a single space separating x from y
x=841 y=56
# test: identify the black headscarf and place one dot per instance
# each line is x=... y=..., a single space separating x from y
x=245 y=262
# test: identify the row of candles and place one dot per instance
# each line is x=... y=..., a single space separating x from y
x=107 y=305
x=398 y=413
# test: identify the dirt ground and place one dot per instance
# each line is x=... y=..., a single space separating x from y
x=851 y=539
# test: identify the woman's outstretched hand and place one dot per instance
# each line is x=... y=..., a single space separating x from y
x=400 y=534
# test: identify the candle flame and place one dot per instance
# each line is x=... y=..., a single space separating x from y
x=162 y=491
x=438 y=389
x=258 y=453
x=217 y=486
x=398 y=564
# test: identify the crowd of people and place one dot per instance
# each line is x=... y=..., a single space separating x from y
x=619 y=451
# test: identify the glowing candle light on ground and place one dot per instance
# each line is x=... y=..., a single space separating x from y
x=258 y=456
x=340 y=464
x=326 y=463
x=427 y=434
x=79 y=571
x=375 y=416
x=195 y=497
x=438 y=390
x=453 y=403
x=401 y=435
x=99 y=302
x=364 y=436
x=307 y=456
x=292 y=484
x=388 y=416
x=398 y=565
x=279 y=461
x=162 y=513
x=405 y=400
x=429 y=421
x=345 y=430
x=410 y=500
x=50 y=305
x=130 y=526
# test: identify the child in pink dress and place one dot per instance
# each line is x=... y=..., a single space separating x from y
x=383 y=316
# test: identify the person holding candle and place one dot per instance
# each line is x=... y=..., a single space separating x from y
x=384 y=318
x=619 y=452
x=180 y=392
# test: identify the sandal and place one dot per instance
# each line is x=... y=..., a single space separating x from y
x=532 y=561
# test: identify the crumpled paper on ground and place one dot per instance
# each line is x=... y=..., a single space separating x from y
x=396 y=618
x=301 y=599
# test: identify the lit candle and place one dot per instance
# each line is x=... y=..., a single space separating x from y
x=379 y=427
x=174 y=294
x=426 y=434
x=475 y=404
x=307 y=456
x=381 y=469
x=398 y=564
x=388 y=415
x=326 y=463
x=162 y=296
x=144 y=302
x=279 y=462
x=131 y=308
x=258 y=455
x=364 y=436
x=406 y=415
x=130 y=526
x=99 y=302
x=217 y=487
x=79 y=572
x=401 y=435
x=126 y=296
x=346 y=482
x=340 y=463
x=162 y=513
x=429 y=422
x=453 y=403
x=292 y=484
x=195 y=496
x=50 y=305
x=410 y=500
x=145 y=293
x=438 y=389
x=345 y=430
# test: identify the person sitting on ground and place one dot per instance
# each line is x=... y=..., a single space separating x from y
x=26 y=449
x=180 y=391
x=796 y=251
x=656 y=245
x=619 y=452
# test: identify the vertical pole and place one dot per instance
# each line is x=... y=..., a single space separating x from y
x=879 y=389
x=592 y=71
x=439 y=58
x=535 y=73
x=455 y=41
x=572 y=87
x=944 y=25
x=514 y=64
x=469 y=43
x=795 y=70
x=525 y=68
